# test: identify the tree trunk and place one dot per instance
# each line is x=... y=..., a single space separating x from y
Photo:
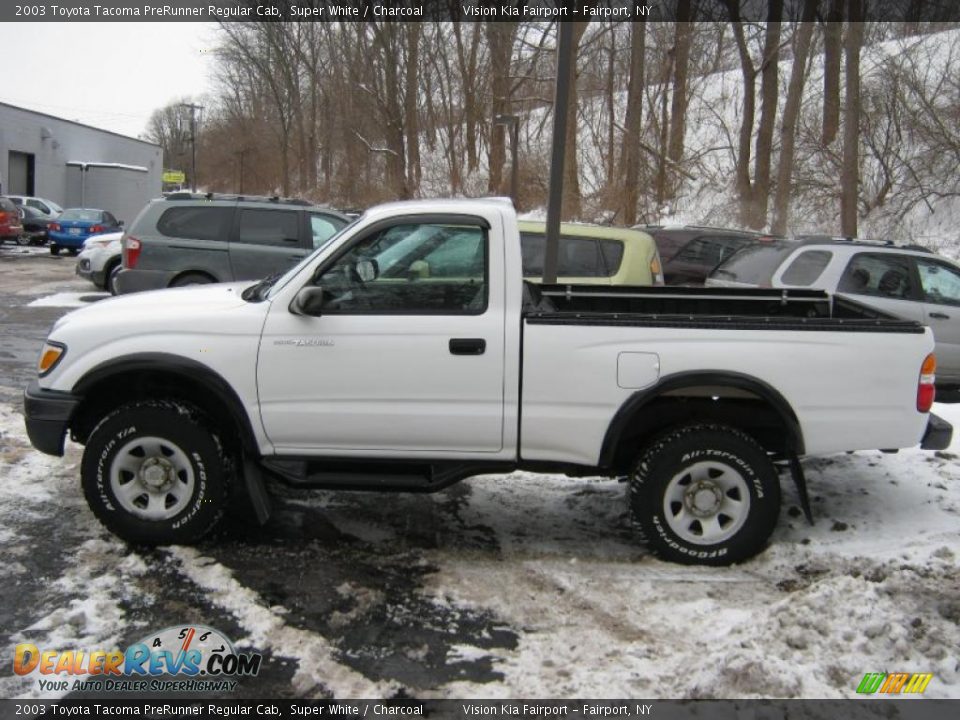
x=849 y=173
x=749 y=73
x=500 y=39
x=683 y=34
x=832 y=51
x=411 y=119
x=611 y=164
x=791 y=112
x=769 y=85
x=570 y=207
x=633 y=124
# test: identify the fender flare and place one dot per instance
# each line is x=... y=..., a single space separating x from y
x=678 y=381
x=176 y=365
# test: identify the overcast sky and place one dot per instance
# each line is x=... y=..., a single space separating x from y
x=109 y=75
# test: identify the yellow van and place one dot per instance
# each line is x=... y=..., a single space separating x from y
x=592 y=254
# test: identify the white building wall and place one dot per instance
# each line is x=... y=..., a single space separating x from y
x=54 y=142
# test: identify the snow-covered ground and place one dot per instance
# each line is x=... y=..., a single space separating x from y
x=549 y=561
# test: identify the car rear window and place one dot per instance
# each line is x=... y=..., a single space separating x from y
x=754 y=265
x=806 y=268
x=82 y=215
x=710 y=251
x=196 y=223
x=578 y=257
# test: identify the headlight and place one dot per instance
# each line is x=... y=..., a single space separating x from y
x=50 y=355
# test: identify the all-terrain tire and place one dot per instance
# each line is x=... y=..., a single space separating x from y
x=54 y=249
x=705 y=494
x=154 y=473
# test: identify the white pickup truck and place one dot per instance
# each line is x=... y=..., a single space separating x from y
x=408 y=353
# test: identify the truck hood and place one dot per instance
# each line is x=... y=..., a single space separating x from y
x=185 y=304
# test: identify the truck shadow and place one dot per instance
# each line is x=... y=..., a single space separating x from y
x=353 y=567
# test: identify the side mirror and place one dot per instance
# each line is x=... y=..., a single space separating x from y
x=367 y=270
x=309 y=301
x=119 y=223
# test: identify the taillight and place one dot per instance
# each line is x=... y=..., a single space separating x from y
x=926 y=388
x=96 y=229
x=131 y=252
x=3 y=216
x=54 y=226
x=656 y=272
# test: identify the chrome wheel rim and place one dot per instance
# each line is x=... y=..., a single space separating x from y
x=152 y=478
x=706 y=503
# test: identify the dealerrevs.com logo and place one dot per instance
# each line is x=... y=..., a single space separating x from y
x=189 y=658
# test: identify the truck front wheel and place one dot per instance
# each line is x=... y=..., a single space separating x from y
x=154 y=474
x=705 y=494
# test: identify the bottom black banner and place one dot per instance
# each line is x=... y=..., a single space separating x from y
x=880 y=708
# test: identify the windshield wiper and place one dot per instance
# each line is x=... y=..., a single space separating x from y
x=258 y=291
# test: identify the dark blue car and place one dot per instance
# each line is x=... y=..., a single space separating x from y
x=77 y=224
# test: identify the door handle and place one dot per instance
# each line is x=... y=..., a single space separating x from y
x=467 y=346
x=939 y=316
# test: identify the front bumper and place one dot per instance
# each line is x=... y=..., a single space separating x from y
x=47 y=414
x=938 y=435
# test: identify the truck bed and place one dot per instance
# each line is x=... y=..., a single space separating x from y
x=715 y=308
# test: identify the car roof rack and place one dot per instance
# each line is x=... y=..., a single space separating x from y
x=276 y=199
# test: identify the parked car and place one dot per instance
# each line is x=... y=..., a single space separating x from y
x=592 y=254
x=47 y=207
x=99 y=261
x=193 y=239
x=74 y=225
x=11 y=227
x=690 y=253
x=904 y=281
x=408 y=353
x=35 y=224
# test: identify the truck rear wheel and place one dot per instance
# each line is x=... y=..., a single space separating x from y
x=705 y=494
x=154 y=474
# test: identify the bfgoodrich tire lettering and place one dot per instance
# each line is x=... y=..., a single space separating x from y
x=705 y=494
x=154 y=474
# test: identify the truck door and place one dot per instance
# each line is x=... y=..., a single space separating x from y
x=406 y=353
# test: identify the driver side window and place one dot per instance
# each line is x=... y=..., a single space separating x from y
x=410 y=269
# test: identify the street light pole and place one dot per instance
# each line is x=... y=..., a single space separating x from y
x=514 y=122
x=193 y=108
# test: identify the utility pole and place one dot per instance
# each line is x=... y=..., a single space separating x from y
x=193 y=108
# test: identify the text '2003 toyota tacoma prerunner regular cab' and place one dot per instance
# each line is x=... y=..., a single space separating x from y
x=408 y=353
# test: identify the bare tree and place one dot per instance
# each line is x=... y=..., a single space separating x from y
x=791 y=112
x=633 y=123
x=832 y=52
x=850 y=175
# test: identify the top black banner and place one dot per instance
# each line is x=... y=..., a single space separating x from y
x=445 y=10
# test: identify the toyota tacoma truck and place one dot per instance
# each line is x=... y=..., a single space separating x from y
x=408 y=353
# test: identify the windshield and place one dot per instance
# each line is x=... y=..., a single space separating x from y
x=270 y=286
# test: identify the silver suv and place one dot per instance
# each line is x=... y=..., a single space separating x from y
x=907 y=281
x=191 y=239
